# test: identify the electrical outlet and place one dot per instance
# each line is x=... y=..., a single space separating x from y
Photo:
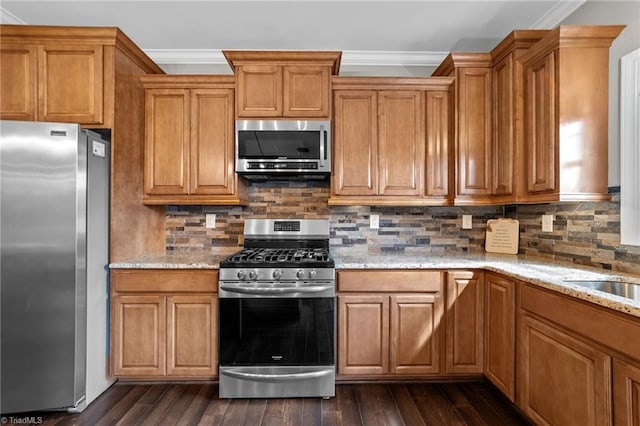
x=547 y=223
x=210 y=221
x=467 y=221
x=374 y=221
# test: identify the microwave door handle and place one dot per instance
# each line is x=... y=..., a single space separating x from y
x=322 y=142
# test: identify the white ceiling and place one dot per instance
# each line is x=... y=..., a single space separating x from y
x=368 y=32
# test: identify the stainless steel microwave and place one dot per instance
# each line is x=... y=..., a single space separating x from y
x=286 y=148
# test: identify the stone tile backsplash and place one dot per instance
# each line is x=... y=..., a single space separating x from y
x=584 y=233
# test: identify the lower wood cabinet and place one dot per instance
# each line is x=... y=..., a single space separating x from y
x=392 y=329
x=626 y=393
x=464 y=322
x=561 y=380
x=164 y=323
x=500 y=332
x=577 y=363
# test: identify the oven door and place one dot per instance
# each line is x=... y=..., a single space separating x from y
x=276 y=331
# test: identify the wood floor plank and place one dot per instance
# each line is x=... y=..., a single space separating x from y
x=196 y=409
x=255 y=411
x=120 y=409
x=434 y=407
x=406 y=405
x=153 y=394
x=236 y=413
x=347 y=406
x=370 y=404
x=215 y=410
x=489 y=406
x=157 y=414
x=312 y=412
x=468 y=413
x=180 y=405
x=377 y=406
x=135 y=415
x=101 y=406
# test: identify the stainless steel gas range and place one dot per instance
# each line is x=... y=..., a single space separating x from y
x=277 y=312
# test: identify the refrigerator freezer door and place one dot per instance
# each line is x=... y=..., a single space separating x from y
x=43 y=265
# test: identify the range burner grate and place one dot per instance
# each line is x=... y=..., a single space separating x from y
x=277 y=255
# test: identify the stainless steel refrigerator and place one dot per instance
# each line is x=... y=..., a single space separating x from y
x=54 y=245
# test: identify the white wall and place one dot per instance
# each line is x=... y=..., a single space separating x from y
x=613 y=13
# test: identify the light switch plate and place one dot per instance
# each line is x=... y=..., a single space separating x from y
x=374 y=221
x=547 y=223
x=210 y=221
x=467 y=221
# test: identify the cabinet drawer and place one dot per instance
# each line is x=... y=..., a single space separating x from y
x=164 y=280
x=598 y=324
x=391 y=280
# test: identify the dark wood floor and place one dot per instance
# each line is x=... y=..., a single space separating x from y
x=476 y=403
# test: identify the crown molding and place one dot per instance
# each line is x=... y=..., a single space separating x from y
x=557 y=14
x=7 y=17
x=349 y=57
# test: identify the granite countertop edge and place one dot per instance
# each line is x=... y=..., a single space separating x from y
x=541 y=272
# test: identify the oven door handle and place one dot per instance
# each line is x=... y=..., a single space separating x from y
x=276 y=290
x=277 y=377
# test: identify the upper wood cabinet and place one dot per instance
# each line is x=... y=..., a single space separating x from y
x=53 y=82
x=283 y=84
x=509 y=153
x=189 y=154
x=62 y=74
x=89 y=76
x=379 y=141
x=566 y=114
x=473 y=128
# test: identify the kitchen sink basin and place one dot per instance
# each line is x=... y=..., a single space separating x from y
x=618 y=288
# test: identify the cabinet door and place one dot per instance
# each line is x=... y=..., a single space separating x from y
x=437 y=144
x=626 y=393
x=259 y=91
x=70 y=83
x=355 y=143
x=561 y=380
x=139 y=335
x=415 y=334
x=18 y=82
x=167 y=129
x=306 y=91
x=503 y=129
x=363 y=334
x=192 y=336
x=400 y=142
x=500 y=331
x=212 y=142
x=541 y=128
x=464 y=322
x=474 y=131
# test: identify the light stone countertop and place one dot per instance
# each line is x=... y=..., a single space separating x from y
x=201 y=259
x=541 y=272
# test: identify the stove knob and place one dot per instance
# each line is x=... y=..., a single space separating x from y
x=242 y=274
x=312 y=273
x=253 y=275
x=277 y=274
x=300 y=274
